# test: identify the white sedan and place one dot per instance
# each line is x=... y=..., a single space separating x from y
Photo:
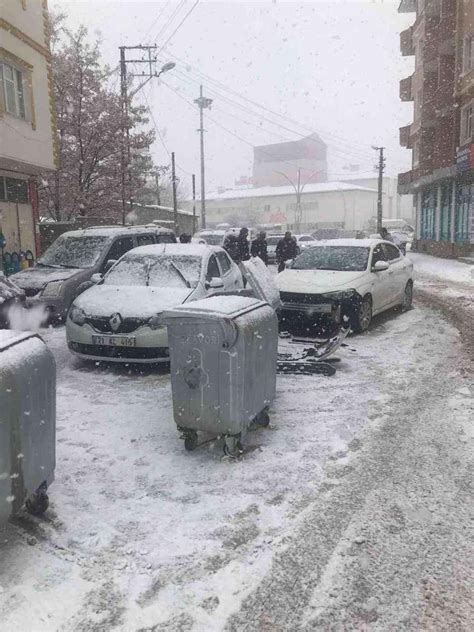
x=119 y=318
x=345 y=279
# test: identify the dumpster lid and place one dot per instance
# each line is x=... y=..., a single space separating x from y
x=262 y=281
x=9 y=338
x=216 y=307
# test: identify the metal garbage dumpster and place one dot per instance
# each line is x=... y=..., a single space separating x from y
x=223 y=353
x=27 y=423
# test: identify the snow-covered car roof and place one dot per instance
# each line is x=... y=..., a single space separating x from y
x=193 y=250
x=361 y=243
x=111 y=231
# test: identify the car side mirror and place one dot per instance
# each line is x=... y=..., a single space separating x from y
x=380 y=266
x=216 y=283
x=95 y=278
x=109 y=264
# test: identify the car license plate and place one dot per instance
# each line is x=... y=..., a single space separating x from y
x=323 y=308
x=114 y=341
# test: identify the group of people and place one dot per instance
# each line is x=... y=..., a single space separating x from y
x=239 y=249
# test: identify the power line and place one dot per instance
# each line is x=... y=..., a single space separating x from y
x=155 y=21
x=260 y=106
x=179 y=25
x=160 y=136
x=170 y=19
x=344 y=150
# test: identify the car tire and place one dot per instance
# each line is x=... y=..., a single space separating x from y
x=407 y=297
x=362 y=319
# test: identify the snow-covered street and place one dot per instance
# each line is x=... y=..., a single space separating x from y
x=142 y=535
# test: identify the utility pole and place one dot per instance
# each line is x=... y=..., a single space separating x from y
x=125 y=152
x=157 y=188
x=194 y=202
x=381 y=169
x=202 y=103
x=175 y=200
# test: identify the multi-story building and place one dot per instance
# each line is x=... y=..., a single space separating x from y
x=274 y=165
x=27 y=119
x=442 y=132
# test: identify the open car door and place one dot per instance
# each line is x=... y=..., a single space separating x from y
x=262 y=281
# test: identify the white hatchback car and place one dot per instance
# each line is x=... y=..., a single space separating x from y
x=119 y=318
x=344 y=279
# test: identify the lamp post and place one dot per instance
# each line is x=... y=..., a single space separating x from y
x=299 y=188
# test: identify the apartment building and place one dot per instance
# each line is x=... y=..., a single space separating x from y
x=441 y=135
x=27 y=120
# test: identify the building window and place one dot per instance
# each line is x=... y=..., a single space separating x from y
x=416 y=153
x=464 y=207
x=13 y=190
x=467 y=115
x=13 y=90
x=468 y=54
x=445 y=213
x=428 y=213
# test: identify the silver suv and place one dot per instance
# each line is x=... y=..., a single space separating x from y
x=75 y=256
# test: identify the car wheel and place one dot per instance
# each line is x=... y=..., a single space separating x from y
x=363 y=318
x=407 y=297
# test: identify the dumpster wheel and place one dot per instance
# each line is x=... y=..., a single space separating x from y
x=232 y=446
x=190 y=441
x=37 y=503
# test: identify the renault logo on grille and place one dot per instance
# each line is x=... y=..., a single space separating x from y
x=115 y=321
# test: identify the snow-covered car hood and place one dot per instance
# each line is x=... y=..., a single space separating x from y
x=316 y=281
x=36 y=278
x=130 y=301
x=9 y=290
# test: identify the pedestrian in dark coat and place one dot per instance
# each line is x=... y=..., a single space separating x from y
x=231 y=246
x=259 y=247
x=244 y=251
x=184 y=238
x=286 y=249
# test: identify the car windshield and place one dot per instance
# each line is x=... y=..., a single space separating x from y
x=339 y=258
x=156 y=271
x=74 y=252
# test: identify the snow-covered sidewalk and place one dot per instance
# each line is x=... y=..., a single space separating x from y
x=445 y=270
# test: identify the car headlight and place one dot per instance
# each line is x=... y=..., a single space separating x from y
x=339 y=296
x=53 y=288
x=77 y=315
x=156 y=322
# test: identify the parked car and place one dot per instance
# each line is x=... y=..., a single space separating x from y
x=75 y=256
x=304 y=241
x=345 y=279
x=210 y=237
x=272 y=241
x=119 y=318
x=10 y=294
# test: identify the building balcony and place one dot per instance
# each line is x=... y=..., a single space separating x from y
x=407 y=6
x=406 y=42
x=406 y=89
x=405 y=133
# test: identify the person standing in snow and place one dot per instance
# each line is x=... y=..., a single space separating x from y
x=242 y=239
x=231 y=246
x=259 y=247
x=286 y=249
x=184 y=238
x=385 y=234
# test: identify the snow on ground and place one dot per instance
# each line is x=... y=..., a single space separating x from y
x=141 y=533
x=448 y=270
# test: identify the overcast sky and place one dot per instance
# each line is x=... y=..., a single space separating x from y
x=330 y=67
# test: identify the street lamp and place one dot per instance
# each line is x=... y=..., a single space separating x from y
x=298 y=191
x=166 y=67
